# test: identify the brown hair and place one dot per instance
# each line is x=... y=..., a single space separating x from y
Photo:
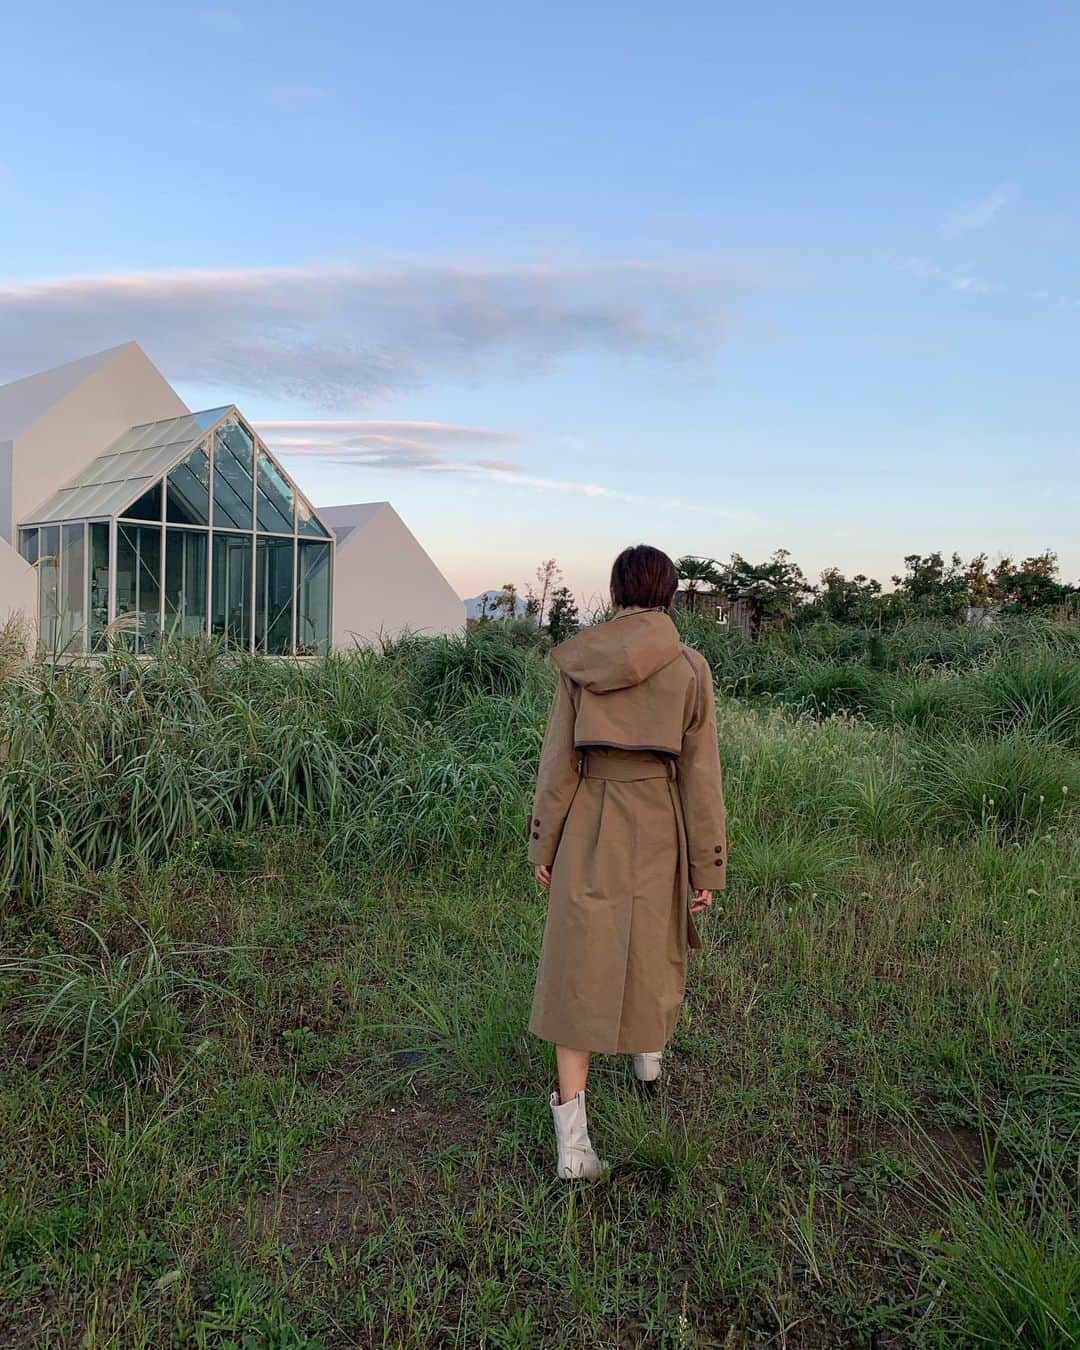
x=644 y=576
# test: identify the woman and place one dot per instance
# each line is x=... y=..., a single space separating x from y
x=627 y=819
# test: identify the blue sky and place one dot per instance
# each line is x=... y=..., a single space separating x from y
x=555 y=279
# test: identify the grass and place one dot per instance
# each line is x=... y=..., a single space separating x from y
x=269 y=943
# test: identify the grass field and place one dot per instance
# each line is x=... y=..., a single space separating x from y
x=269 y=940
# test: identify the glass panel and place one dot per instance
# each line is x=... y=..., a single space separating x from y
x=28 y=545
x=138 y=584
x=273 y=595
x=72 y=587
x=210 y=416
x=274 y=502
x=313 y=599
x=148 y=507
x=131 y=464
x=48 y=569
x=234 y=452
x=185 y=428
x=185 y=581
x=307 y=523
x=187 y=498
x=98 y=584
x=230 y=608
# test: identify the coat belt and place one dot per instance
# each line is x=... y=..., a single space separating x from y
x=626 y=767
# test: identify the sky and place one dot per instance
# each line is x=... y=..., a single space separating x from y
x=557 y=279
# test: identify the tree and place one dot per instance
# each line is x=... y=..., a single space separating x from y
x=506 y=601
x=563 y=614
x=979 y=581
x=841 y=598
x=770 y=590
x=697 y=572
x=933 y=585
x=547 y=574
x=1031 y=585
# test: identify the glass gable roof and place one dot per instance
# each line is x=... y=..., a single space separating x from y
x=120 y=475
x=130 y=464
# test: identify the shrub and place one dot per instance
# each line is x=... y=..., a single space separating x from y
x=822 y=689
x=779 y=863
x=932 y=704
x=876 y=805
x=448 y=670
x=117 y=1013
x=1040 y=690
x=1012 y=784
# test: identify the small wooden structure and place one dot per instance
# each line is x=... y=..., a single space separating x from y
x=733 y=615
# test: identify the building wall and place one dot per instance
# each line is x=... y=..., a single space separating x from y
x=126 y=391
x=18 y=590
x=7 y=514
x=385 y=584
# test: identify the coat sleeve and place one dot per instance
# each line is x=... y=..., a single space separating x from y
x=557 y=778
x=701 y=788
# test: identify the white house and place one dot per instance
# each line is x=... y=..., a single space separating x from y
x=123 y=512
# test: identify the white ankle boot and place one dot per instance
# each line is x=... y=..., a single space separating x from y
x=577 y=1157
x=647 y=1067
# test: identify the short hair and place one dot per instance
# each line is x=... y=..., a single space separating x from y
x=642 y=575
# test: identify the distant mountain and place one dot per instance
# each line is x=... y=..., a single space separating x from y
x=474 y=608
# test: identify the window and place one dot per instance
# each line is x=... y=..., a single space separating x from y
x=273 y=595
x=306 y=523
x=187 y=496
x=274 y=500
x=185 y=581
x=72 y=633
x=48 y=570
x=312 y=598
x=138 y=585
x=230 y=607
x=28 y=545
x=234 y=453
x=98 y=583
x=148 y=506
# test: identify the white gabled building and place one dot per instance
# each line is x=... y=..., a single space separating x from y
x=124 y=513
x=373 y=542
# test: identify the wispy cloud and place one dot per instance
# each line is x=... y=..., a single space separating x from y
x=441 y=447
x=971 y=219
x=960 y=277
x=337 y=337
x=446 y=448
x=435 y=431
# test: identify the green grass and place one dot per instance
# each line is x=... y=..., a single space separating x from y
x=269 y=941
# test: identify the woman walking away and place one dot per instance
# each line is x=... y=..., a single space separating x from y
x=627 y=834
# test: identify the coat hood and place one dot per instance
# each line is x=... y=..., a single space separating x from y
x=620 y=653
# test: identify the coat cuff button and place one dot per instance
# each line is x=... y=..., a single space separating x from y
x=535 y=835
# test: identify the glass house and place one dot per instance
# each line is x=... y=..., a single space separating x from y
x=183 y=526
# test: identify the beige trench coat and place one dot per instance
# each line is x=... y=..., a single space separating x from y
x=629 y=814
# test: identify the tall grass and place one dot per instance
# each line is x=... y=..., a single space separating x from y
x=274 y=1085
x=929 y=676
x=390 y=754
x=116 y=1013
